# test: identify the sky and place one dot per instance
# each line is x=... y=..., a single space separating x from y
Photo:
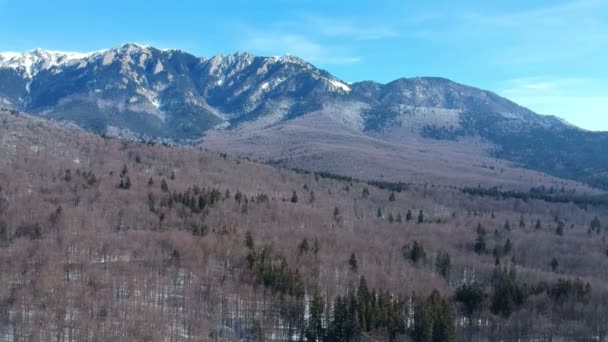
x=548 y=55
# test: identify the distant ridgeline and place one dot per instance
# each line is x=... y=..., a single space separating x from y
x=541 y=193
x=567 y=152
x=538 y=194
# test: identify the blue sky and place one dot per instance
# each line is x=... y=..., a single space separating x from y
x=551 y=56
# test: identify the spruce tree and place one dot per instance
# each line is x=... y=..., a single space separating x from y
x=249 y=243
x=443 y=265
x=596 y=224
x=433 y=320
x=365 y=193
x=315 y=247
x=480 y=241
x=554 y=264
x=508 y=247
x=472 y=298
x=314 y=328
x=294 y=197
x=420 y=217
x=303 y=247
x=415 y=253
x=560 y=228
x=352 y=262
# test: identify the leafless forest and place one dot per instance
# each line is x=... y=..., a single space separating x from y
x=109 y=240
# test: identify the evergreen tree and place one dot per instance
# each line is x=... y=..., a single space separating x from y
x=508 y=247
x=554 y=264
x=560 y=228
x=391 y=197
x=294 y=197
x=164 y=187
x=415 y=253
x=314 y=327
x=150 y=182
x=480 y=241
x=443 y=265
x=303 y=247
x=538 y=224
x=364 y=313
x=507 y=225
x=249 y=243
x=391 y=218
x=352 y=262
x=128 y=183
x=408 y=216
x=343 y=327
x=433 y=320
x=507 y=293
x=379 y=213
x=420 y=217
x=365 y=192
x=125 y=183
x=522 y=222
x=315 y=247
x=472 y=298
x=596 y=224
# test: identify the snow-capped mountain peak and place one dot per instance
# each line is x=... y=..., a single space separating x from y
x=33 y=61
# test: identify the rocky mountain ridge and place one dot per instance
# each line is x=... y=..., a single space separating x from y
x=144 y=92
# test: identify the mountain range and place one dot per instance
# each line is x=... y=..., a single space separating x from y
x=289 y=112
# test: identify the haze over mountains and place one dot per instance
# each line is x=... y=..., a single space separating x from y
x=286 y=110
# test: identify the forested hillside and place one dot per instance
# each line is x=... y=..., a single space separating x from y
x=287 y=110
x=110 y=240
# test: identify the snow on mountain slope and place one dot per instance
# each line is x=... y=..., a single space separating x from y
x=170 y=94
x=34 y=61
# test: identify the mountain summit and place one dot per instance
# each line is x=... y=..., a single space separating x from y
x=286 y=110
